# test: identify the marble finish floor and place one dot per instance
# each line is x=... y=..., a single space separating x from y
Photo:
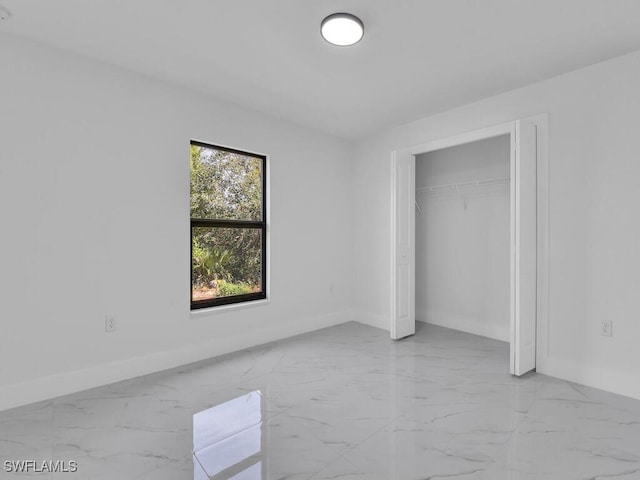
x=340 y=403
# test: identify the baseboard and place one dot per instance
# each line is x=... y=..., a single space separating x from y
x=620 y=383
x=381 y=321
x=371 y=319
x=469 y=326
x=45 y=388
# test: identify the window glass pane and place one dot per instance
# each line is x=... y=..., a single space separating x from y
x=225 y=185
x=226 y=262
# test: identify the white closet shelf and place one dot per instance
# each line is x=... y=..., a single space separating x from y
x=456 y=186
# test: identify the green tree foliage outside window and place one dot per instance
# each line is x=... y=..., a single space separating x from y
x=227 y=218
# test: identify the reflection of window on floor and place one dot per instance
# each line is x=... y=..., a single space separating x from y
x=228 y=226
x=227 y=440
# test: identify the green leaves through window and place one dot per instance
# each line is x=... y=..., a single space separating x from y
x=228 y=226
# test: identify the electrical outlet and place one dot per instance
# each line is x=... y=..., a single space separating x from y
x=109 y=323
x=606 y=328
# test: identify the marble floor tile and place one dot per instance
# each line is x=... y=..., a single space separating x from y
x=340 y=403
x=26 y=434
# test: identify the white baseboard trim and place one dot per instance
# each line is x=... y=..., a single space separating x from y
x=371 y=319
x=612 y=381
x=46 y=388
x=470 y=325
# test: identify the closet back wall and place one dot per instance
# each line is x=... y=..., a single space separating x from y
x=462 y=239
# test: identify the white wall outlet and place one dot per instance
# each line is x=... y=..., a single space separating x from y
x=606 y=328
x=109 y=323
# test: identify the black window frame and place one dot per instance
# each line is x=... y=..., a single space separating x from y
x=226 y=223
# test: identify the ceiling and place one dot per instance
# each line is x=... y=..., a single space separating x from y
x=418 y=57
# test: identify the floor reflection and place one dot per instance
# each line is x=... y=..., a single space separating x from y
x=227 y=440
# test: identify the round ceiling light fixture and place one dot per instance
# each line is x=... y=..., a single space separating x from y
x=342 y=29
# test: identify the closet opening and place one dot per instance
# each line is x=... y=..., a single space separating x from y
x=462 y=235
x=459 y=184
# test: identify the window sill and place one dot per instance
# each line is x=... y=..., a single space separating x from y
x=200 y=312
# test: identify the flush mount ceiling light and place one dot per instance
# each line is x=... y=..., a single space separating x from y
x=342 y=29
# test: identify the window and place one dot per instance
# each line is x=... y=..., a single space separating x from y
x=228 y=226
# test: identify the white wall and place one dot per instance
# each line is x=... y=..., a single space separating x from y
x=593 y=200
x=462 y=239
x=94 y=208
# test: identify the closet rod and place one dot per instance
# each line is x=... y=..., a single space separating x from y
x=475 y=183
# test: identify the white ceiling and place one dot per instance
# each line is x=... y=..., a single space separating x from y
x=418 y=57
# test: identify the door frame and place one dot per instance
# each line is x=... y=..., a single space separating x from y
x=542 y=224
